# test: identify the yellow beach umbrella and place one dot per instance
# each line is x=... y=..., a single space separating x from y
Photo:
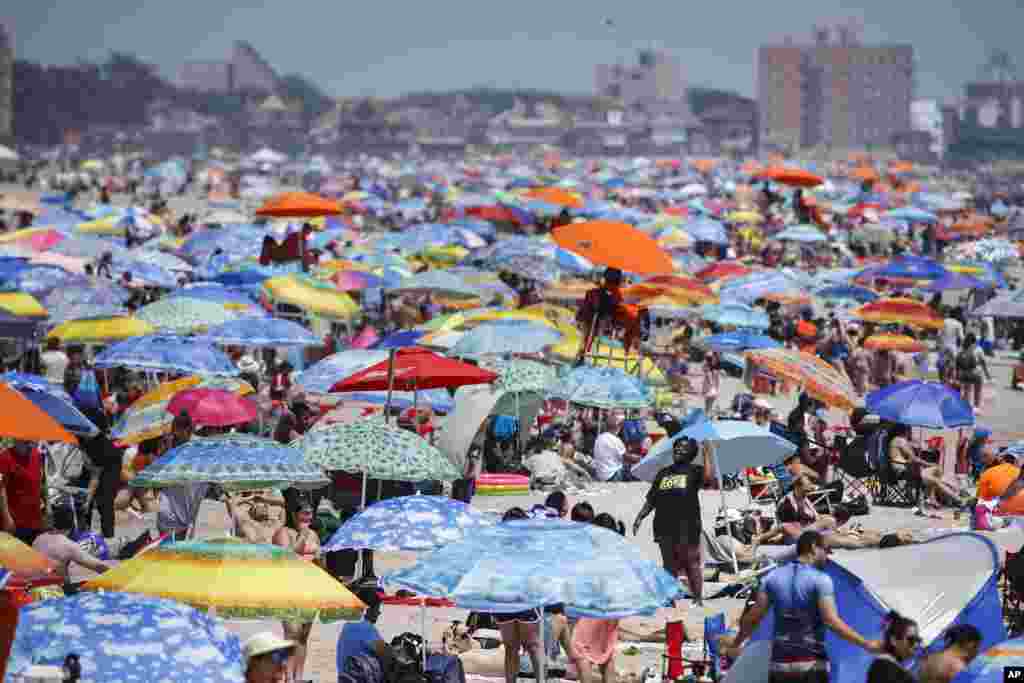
x=102 y=226
x=312 y=296
x=101 y=330
x=20 y=303
x=744 y=217
x=239 y=580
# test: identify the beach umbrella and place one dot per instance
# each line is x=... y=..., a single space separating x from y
x=932 y=405
x=166 y=353
x=398 y=340
x=117 y=635
x=299 y=205
x=506 y=336
x=557 y=196
x=242 y=581
x=416 y=523
x=39 y=280
x=861 y=295
x=911 y=214
x=894 y=342
x=258 y=332
x=523 y=564
x=213 y=407
x=899 y=311
x=720 y=270
x=22 y=420
x=808 y=234
x=739 y=340
x=439 y=400
x=148 y=418
x=819 y=379
x=183 y=315
x=519 y=374
x=53 y=400
x=437 y=281
x=100 y=330
x=411 y=369
x=603 y=387
x=954 y=281
x=22 y=305
x=325 y=373
x=707 y=230
x=376 y=450
x=311 y=295
x=237 y=461
x=750 y=288
x=1009 y=306
x=356 y=281
x=738 y=444
x=794 y=177
x=907 y=268
x=615 y=245
x=735 y=315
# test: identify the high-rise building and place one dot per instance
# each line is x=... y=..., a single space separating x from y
x=6 y=85
x=245 y=71
x=834 y=91
x=655 y=76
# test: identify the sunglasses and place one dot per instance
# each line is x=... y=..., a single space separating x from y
x=279 y=657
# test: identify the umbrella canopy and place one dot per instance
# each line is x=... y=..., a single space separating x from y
x=324 y=374
x=516 y=374
x=116 y=636
x=735 y=315
x=299 y=205
x=899 y=311
x=740 y=340
x=183 y=315
x=721 y=269
x=738 y=445
x=417 y=523
x=234 y=460
x=506 y=336
x=921 y=404
x=907 y=268
x=801 y=233
x=438 y=281
x=413 y=368
x=380 y=451
x=523 y=564
x=861 y=295
x=616 y=245
x=22 y=420
x=257 y=332
x=21 y=304
x=602 y=387
x=148 y=417
x=157 y=352
x=240 y=580
x=895 y=342
x=100 y=330
x=53 y=400
x=312 y=296
x=794 y=177
x=818 y=378
x=1010 y=306
x=213 y=407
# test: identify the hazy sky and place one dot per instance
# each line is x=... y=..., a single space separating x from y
x=385 y=48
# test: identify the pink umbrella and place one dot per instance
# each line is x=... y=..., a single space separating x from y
x=213 y=407
x=365 y=339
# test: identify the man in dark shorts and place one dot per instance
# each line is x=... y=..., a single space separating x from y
x=674 y=498
x=805 y=605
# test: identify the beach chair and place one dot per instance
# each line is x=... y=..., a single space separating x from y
x=895 y=490
x=773 y=490
x=854 y=469
x=673 y=665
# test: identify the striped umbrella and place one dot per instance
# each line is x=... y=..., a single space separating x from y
x=818 y=378
x=900 y=311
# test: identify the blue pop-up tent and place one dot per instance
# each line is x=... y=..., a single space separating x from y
x=946 y=581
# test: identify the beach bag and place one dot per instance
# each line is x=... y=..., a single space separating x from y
x=504 y=428
x=634 y=431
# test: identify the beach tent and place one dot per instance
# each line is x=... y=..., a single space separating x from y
x=948 y=580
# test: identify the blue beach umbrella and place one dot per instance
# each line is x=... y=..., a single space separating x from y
x=167 y=353
x=739 y=340
x=921 y=404
x=258 y=332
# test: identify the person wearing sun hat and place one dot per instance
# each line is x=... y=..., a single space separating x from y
x=266 y=657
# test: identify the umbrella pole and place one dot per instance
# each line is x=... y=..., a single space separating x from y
x=391 y=384
x=721 y=493
x=423 y=629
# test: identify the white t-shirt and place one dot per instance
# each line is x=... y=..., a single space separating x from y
x=55 y=363
x=608 y=452
x=952 y=334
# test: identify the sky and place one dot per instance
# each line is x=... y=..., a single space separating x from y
x=387 y=48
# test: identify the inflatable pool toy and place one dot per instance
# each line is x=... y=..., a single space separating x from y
x=502 y=485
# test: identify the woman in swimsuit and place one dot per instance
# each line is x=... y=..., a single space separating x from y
x=299 y=536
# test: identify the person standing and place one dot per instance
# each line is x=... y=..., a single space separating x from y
x=712 y=383
x=805 y=606
x=972 y=371
x=899 y=645
x=21 y=506
x=609 y=453
x=674 y=497
x=54 y=361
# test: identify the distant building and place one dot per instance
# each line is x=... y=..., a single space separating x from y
x=988 y=124
x=926 y=117
x=6 y=86
x=245 y=71
x=655 y=76
x=834 y=92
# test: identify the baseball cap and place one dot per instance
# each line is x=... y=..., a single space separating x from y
x=263 y=643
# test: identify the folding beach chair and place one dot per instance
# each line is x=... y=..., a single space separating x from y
x=673 y=665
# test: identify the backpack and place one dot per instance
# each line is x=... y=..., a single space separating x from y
x=634 y=431
x=967 y=362
x=504 y=428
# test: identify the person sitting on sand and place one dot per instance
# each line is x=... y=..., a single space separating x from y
x=906 y=463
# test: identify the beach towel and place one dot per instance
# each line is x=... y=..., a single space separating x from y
x=595 y=639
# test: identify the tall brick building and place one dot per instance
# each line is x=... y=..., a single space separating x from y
x=245 y=71
x=834 y=91
x=6 y=86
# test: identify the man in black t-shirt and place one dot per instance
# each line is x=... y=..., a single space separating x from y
x=674 y=498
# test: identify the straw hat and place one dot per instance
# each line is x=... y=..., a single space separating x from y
x=264 y=643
